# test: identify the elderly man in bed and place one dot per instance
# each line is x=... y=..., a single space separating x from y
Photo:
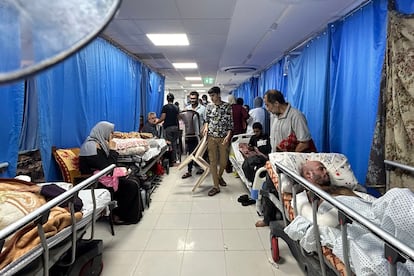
x=392 y=212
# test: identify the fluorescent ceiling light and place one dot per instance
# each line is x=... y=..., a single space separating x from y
x=197 y=85
x=201 y=90
x=169 y=39
x=185 y=65
x=193 y=78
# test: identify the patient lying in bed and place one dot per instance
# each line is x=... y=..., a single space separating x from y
x=393 y=212
x=19 y=198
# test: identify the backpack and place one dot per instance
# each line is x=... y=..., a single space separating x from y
x=251 y=164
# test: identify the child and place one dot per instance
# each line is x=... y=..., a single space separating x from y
x=260 y=140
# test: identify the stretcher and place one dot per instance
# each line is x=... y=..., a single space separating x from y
x=356 y=245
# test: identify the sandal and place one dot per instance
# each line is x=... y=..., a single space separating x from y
x=222 y=182
x=186 y=175
x=213 y=191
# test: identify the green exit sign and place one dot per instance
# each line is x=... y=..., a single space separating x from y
x=208 y=80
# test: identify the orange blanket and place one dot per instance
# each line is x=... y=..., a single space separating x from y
x=19 y=204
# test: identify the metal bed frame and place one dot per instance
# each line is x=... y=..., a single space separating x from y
x=394 y=250
x=40 y=216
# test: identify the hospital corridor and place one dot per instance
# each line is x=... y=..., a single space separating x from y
x=184 y=234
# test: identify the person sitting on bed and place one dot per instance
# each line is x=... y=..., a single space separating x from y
x=151 y=125
x=96 y=154
x=260 y=140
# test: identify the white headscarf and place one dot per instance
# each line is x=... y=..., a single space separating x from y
x=100 y=134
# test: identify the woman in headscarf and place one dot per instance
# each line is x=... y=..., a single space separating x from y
x=96 y=154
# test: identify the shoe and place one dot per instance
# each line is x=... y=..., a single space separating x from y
x=248 y=202
x=117 y=221
x=186 y=175
x=261 y=223
x=222 y=182
x=243 y=198
x=213 y=191
x=200 y=171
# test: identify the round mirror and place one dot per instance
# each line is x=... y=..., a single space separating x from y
x=36 y=34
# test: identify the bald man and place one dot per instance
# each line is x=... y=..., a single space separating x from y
x=316 y=173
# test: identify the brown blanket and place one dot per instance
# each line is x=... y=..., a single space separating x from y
x=16 y=203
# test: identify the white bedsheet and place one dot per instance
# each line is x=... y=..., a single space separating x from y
x=102 y=197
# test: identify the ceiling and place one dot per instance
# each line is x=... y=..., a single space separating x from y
x=230 y=40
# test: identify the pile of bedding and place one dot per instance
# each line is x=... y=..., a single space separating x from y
x=137 y=144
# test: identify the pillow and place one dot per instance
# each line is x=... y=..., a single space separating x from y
x=337 y=165
x=68 y=161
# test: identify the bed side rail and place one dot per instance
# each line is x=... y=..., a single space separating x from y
x=40 y=216
x=10 y=229
x=394 y=251
x=392 y=165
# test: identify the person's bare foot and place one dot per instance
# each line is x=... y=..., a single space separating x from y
x=261 y=223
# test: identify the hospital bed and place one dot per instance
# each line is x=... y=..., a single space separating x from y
x=140 y=153
x=45 y=248
x=346 y=243
x=236 y=157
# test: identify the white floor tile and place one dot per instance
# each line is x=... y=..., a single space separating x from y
x=204 y=240
x=248 y=263
x=203 y=263
x=173 y=221
x=242 y=239
x=205 y=221
x=167 y=240
x=177 y=207
x=159 y=263
x=237 y=221
x=120 y=262
x=185 y=233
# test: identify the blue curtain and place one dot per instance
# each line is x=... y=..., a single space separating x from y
x=247 y=91
x=153 y=96
x=29 y=137
x=335 y=82
x=12 y=95
x=98 y=83
x=10 y=38
x=273 y=78
x=307 y=87
x=405 y=6
x=11 y=115
x=357 y=55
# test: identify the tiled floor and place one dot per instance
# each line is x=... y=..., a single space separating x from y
x=191 y=234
